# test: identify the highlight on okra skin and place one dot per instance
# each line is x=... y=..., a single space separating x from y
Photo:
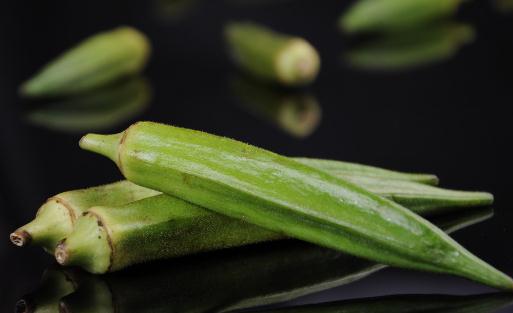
x=285 y=196
x=56 y=217
x=393 y=15
x=95 y=62
x=272 y=56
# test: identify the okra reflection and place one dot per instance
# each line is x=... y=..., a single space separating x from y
x=96 y=110
x=296 y=112
x=221 y=281
x=412 y=48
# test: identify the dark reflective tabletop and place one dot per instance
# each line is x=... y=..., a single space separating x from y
x=380 y=101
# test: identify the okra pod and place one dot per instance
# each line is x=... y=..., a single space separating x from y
x=97 y=61
x=96 y=110
x=297 y=113
x=56 y=217
x=277 y=193
x=484 y=303
x=393 y=15
x=54 y=220
x=299 y=267
x=272 y=56
x=415 y=48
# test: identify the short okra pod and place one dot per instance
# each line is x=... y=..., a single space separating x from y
x=56 y=217
x=393 y=15
x=272 y=56
x=277 y=193
x=97 y=61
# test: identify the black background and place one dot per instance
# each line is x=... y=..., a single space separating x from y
x=452 y=118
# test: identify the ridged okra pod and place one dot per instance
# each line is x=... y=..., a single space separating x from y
x=56 y=217
x=96 y=110
x=272 y=56
x=393 y=15
x=95 y=62
x=111 y=238
x=413 y=48
x=483 y=303
x=233 y=279
x=277 y=193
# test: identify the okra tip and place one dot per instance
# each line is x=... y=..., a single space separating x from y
x=298 y=62
x=20 y=238
x=61 y=253
x=24 y=306
x=106 y=145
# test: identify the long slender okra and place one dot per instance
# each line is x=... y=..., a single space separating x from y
x=386 y=15
x=295 y=112
x=56 y=217
x=285 y=196
x=268 y=55
x=55 y=284
x=484 y=303
x=97 y=61
x=96 y=110
x=232 y=279
x=413 y=48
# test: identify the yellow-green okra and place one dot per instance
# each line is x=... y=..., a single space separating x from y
x=95 y=62
x=272 y=56
x=277 y=193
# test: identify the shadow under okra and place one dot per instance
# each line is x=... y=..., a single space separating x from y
x=410 y=49
x=97 y=110
x=225 y=280
x=296 y=112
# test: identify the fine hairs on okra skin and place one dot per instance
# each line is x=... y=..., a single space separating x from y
x=112 y=238
x=277 y=193
x=97 y=61
x=258 y=275
x=272 y=56
x=53 y=223
x=56 y=217
x=422 y=303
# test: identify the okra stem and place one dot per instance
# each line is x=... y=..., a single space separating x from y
x=272 y=56
x=285 y=196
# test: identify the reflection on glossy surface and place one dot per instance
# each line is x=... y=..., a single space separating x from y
x=405 y=50
x=174 y=9
x=226 y=280
x=94 y=111
x=55 y=284
x=296 y=112
x=486 y=303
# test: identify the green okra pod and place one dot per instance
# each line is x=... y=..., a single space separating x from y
x=412 y=48
x=56 y=217
x=95 y=62
x=96 y=110
x=233 y=279
x=282 y=195
x=272 y=56
x=393 y=15
x=484 y=303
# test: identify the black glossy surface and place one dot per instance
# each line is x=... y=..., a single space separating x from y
x=452 y=118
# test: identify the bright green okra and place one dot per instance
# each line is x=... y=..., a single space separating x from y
x=393 y=15
x=413 y=48
x=56 y=217
x=96 y=110
x=277 y=193
x=233 y=279
x=272 y=56
x=97 y=61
